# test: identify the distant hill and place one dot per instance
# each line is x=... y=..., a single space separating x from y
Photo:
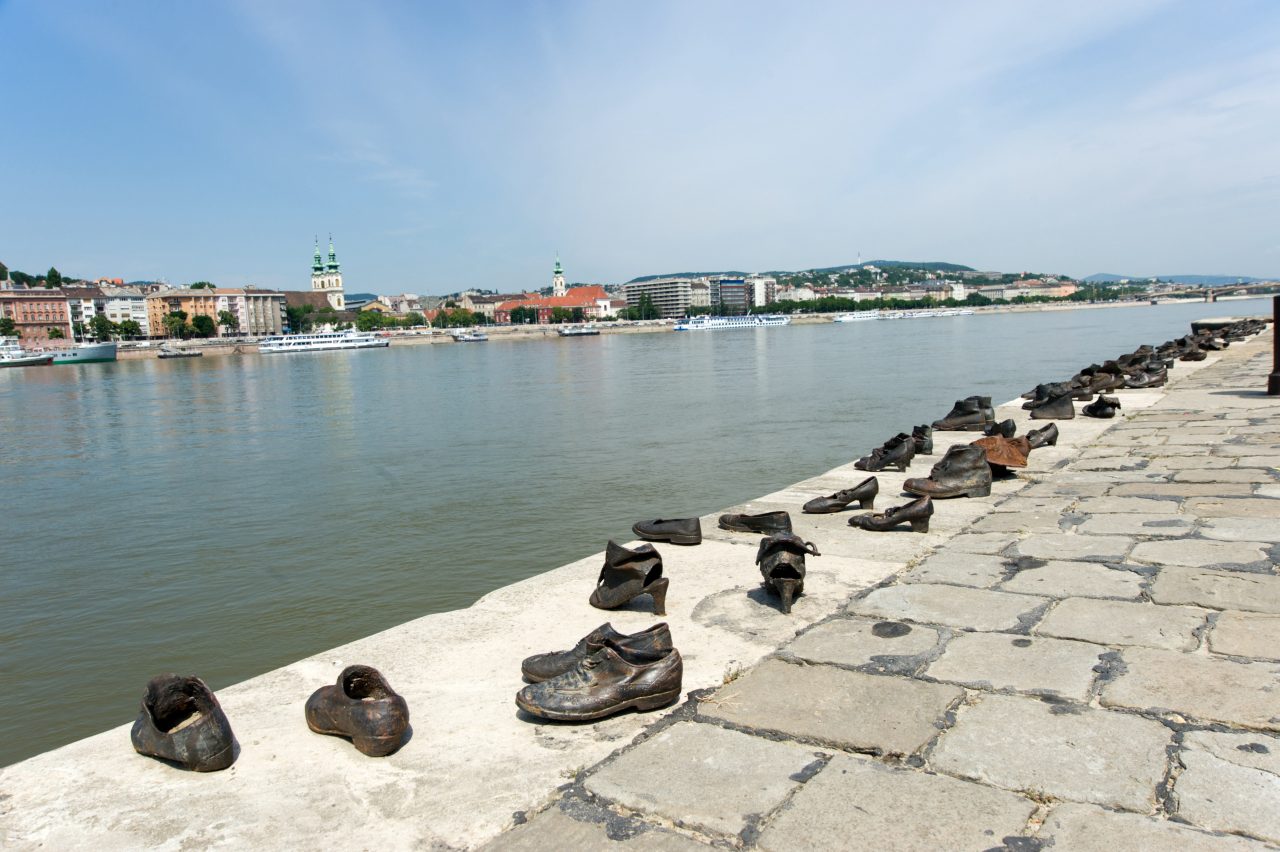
x=931 y=265
x=1194 y=280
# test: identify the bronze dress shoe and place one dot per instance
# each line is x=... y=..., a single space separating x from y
x=628 y=574
x=864 y=494
x=781 y=561
x=1104 y=407
x=611 y=680
x=680 y=531
x=765 y=523
x=897 y=452
x=181 y=721
x=1005 y=429
x=963 y=472
x=363 y=707
x=1046 y=437
x=542 y=667
x=916 y=513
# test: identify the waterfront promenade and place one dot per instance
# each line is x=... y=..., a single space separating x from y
x=1090 y=660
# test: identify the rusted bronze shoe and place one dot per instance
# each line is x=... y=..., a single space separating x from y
x=781 y=561
x=609 y=681
x=1004 y=452
x=962 y=472
x=1046 y=437
x=864 y=494
x=897 y=452
x=916 y=513
x=1103 y=407
x=764 y=523
x=628 y=574
x=363 y=707
x=681 y=531
x=540 y=667
x=181 y=721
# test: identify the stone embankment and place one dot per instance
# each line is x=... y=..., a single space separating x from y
x=1085 y=659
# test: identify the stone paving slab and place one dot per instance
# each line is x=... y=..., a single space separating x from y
x=1120 y=623
x=1222 y=796
x=1088 y=828
x=960 y=569
x=725 y=777
x=1181 y=489
x=1244 y=634
x=1000 y=661
x=855 y=803
x=955 y=606
x=1199 y=552
x=1259 y=751
x=847 y=709
x=1266 y=530
x=1059 y=579
x=1226 y=507
x=1076 y=753
x=1126 y=505
x=1097 y=548
x=554 y=831
x=1203 y=688
x=1148 y=526
x=865 y=641
x=1217 y=589
x=1029 y=521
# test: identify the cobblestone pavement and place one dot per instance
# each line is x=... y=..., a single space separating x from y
x=1091 y=663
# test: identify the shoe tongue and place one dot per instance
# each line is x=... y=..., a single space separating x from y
x=631 y=656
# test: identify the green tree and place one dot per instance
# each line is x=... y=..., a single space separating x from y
x=102 y=327
x=369 y=320
x=8 y=328
x=56 y=334
x=4 y=272
x=413 y=318
x=175 y=325
x=53 y=278
x=202 y=285
x=203 y=325
x=228 y=320
x=561 y=314
x=523 y=315
x=300 y=318
x=130 y=328
x=647 y=309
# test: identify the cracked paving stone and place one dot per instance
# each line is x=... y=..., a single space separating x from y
x=1002 y=661
x=981 y=542
x=1180 y=489
x=1252 y=474
x=724 y=776
x=1061 y=751
x=857 y=803
x=1246 y=634
x=1128 y=505
x=1060 y=579
x=1260 y=751
x=1217 y=589
x=1138 y=525
x=1005 y=522
x=553 y=831
x=1197 y=552
x=1222 y=796
x=850 y=710
x=1089 y=827
x=1123 y=623
x=859 y=641
x=1097 y=548
x=1211 y=689
x=1241 y=529
x=1233 y=507
x=954 y=606
x=961 y=569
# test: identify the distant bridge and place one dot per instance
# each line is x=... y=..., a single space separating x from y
x=1211 y=294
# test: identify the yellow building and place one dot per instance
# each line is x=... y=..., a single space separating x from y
x=193 y=303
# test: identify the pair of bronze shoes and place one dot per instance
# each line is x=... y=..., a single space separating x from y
x=605 y=673
x=181 y=721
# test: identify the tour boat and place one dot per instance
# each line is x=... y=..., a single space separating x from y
x=578 y=331
x=320 y=342
x=927 y=313
x=13 y=355
x=709 y=323
x=470 y=336
x=86 y=353
x=167 y=351
x=858 y=316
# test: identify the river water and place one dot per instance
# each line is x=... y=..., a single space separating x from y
x=224 y=516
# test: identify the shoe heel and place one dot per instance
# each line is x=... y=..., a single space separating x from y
x=980 y=491
x=787 y=591
x=657 y=702
x=920 y=526
x=902 y=466
x=658 y=591
x=867 y=503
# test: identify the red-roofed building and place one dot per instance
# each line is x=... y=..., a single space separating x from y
x=593 y=301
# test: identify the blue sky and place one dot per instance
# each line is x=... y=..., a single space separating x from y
x=456 y=145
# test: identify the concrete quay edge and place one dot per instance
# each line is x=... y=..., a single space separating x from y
x=474 y=769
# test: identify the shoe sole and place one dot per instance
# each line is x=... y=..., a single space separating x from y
x=674 y=538
x=642 y=704
x=369 y=746
x=733 y=528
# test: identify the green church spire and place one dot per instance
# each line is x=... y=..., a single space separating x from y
x=332 y=265
x=316 y=264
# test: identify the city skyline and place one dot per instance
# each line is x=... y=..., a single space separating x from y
x=452 y=147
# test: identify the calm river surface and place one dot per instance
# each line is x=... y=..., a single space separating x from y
x=224 y=516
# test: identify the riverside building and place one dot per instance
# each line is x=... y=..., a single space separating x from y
x=671 y=296
x=36 y=314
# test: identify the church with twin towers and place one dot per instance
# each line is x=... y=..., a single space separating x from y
x=326 y=276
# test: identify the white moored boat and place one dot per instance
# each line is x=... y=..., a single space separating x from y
x=858 y=316
x=322 y=341
x=86 y=353
x=706 y=323
x=13 y=355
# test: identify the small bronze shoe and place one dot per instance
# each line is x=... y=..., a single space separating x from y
x=628 y=574
x=923 y=438
x=1046 y=437
x=916 y=513
x=1005 y=429
x=609 y=681
x=363 y=707
x=181 y=721
x=864 y=494
x=765 y=523
x=678 y=531
x=1103 y=407
x=540 y=667
x=781 y=561
x=897 y=452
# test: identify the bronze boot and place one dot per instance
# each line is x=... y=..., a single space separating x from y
x=1104 y=407
x=916 y=513
x=542 y=667
x=611 y=680
x=923 y=438
x=897 y=452
x=967 y=415
x=963 y=472
x=1059 y=408
x=181 y=721
x=781 y=561
x=864 y=494
x=628 y=574
x=363 y=707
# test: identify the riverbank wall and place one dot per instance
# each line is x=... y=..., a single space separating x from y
x=474 y=769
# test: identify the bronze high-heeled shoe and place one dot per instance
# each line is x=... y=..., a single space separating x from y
x=864 y=494
x=781 y=561
x=628 y=574
x=916 y=513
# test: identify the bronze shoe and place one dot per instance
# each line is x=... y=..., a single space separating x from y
x=963 y=472
x=1046 y=437
x=1004 y=452
x=864 y=493
x=923 y=438
x=628 y=574
x=1005 y=428
x=781 y=561
x=1103 y=407
x=181 y=721
x=680 y=531
x=363 y=707
x=542 y=667
x=609 y=681
x=1060 y=408
x=898 y=452
x=765 y=523
x=916 y=513
x=970 y=414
